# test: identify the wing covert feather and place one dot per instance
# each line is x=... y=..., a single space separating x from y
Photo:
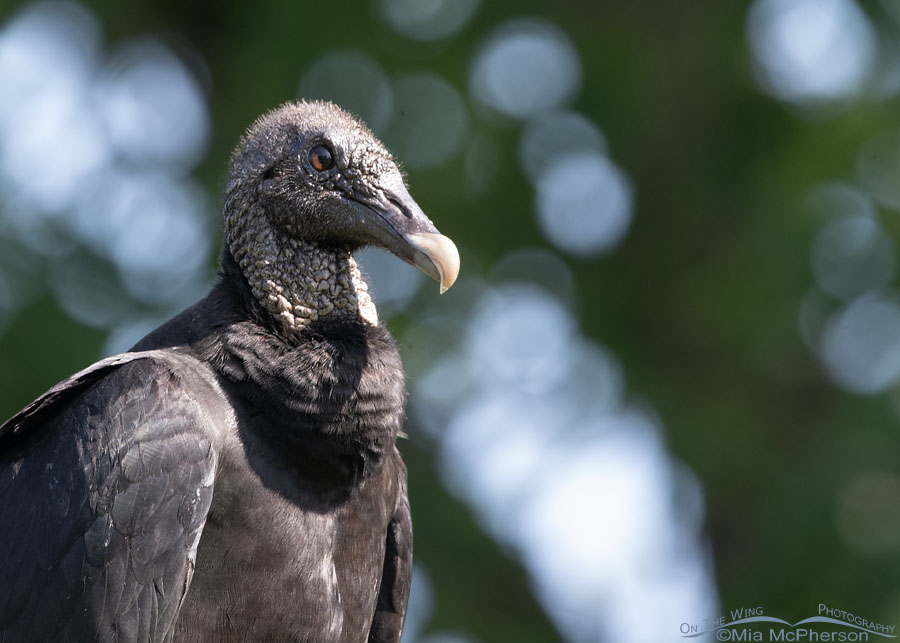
x=105 y=484
x=390 y=610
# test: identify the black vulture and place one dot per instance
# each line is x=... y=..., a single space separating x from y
x=234 y=477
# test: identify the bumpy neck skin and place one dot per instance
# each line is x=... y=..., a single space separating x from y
x=297 y=282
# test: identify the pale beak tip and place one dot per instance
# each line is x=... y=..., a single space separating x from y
x=448 y=265
x=437 y=256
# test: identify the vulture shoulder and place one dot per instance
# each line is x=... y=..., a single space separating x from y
x=107 y=480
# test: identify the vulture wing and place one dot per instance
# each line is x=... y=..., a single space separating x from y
x=390 y=610
x=106 y=480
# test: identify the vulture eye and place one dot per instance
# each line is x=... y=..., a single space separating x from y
x=321 y=158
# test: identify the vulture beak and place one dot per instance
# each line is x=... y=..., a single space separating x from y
x=399 y=225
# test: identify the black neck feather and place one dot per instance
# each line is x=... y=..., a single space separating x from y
x=328 y=401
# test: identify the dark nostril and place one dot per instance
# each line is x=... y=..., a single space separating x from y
x=397 y=203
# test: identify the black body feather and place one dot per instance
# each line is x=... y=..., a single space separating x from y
x=224 y=481
x=278 y=458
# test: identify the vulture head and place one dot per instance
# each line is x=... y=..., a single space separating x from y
x=309 y=184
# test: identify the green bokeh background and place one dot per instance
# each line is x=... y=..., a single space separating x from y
x=699 y=302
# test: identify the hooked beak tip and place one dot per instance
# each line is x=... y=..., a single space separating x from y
x=437 y=256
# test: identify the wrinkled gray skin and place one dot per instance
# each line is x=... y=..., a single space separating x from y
x=235 y=476
x=299 y=267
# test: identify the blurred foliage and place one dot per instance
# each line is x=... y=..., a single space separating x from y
x=699 y=302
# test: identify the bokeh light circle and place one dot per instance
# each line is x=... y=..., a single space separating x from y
x=48 y=55
x=429 y=122
x=560 y=132
x=861 y=344
x=354 y=81
x=853 y=255
x=810 y=50
x=584 y=203
x=47 y=51
x=151 y=226
x=502 y=339
x=392 y=283
x=427 y=19
x=538 y=266
x=527 y=66
x=153 y=108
